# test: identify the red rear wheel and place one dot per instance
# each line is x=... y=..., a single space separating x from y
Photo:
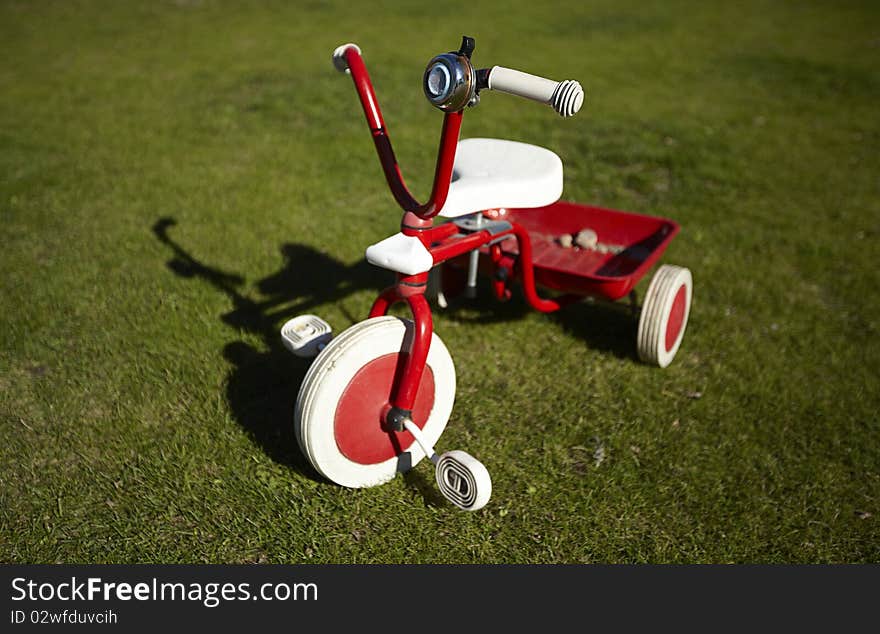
x=664 y=315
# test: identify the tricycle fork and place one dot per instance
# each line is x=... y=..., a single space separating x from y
x=409 y=289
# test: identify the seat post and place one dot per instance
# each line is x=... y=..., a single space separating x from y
x=474 y=263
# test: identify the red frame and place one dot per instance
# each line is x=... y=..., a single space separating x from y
x=446 y=243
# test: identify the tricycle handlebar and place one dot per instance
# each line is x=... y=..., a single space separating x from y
x=565 y=97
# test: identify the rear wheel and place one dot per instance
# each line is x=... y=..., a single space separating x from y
x=339 y=411
x=664 y=315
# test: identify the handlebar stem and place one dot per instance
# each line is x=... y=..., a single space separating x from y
x=445 y=153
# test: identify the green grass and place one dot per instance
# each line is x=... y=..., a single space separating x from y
x=145 y=401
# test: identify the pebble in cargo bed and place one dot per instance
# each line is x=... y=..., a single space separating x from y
x=588 y=240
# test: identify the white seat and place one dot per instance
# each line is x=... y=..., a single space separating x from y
x=495 y=173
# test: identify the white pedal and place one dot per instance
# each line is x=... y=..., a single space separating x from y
x=306 y=335
x=463 y=480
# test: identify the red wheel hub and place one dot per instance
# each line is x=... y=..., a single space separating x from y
x=676 y=317
x=358 y=426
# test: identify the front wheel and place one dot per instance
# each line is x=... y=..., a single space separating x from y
x=343 y=398
x=664 y=315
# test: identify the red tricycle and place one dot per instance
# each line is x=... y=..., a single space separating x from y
x=377 y=397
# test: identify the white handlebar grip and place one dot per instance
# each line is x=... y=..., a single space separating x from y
x=565 y=97
x=339 y=57
x=568 y=98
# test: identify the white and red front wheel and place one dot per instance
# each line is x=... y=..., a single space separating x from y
x=664 y=315
x=344 y=396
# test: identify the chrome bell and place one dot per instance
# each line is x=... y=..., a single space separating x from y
x=450 y=81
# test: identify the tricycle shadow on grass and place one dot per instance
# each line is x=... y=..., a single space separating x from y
x=263 y=386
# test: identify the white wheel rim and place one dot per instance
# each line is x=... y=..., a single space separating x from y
x=326 y=381
x=656 y=312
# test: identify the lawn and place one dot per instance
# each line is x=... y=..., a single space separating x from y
x=179 y=178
